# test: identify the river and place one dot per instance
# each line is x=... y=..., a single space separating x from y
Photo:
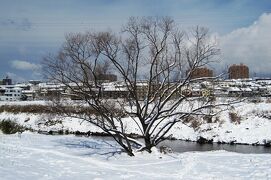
x=186 y=146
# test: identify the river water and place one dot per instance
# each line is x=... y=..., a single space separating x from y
x=186 y=146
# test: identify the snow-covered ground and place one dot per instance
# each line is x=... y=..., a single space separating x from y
x=36 y=156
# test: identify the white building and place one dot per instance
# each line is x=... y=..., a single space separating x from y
x=10 y=93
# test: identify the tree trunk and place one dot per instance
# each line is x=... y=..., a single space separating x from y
x=129 y=152
x=148 y=144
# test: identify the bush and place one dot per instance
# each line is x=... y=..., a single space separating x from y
x=193 y=121
x=10 y=127
x=234 y=117
x=208 y=118
x=264 y=114
x=52 y=122
x=38 y=109
x=268 y=100
x=255 y=100
x=195 y=124
x=216 y=119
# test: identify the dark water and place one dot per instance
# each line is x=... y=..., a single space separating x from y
x=185 y=146
x=188 y=146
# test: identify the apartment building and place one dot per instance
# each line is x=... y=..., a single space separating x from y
x=238 y=71
x=201 y=72
x=10 y=93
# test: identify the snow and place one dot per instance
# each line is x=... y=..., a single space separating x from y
x=35 y=156
x=233 y=89
x=254 y=127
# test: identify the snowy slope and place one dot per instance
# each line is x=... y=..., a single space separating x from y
x=253 y=128
x=34 y=156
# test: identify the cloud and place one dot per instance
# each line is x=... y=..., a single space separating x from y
x=15 y=78
x=25 y=65
x=249 y=45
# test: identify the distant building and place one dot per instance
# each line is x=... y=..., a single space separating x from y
x=10 y=93
x=238 y=71
x=201 y=72
x=34 y=82
x=6 y=81
x=107 y=77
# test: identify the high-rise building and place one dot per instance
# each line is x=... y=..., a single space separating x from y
x=7 y=81
x=238 y=71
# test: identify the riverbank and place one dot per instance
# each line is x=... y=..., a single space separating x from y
x=244 y=123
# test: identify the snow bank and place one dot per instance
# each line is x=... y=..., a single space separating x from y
x=254 y=127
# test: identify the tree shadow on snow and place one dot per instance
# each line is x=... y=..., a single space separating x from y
x=103 y=147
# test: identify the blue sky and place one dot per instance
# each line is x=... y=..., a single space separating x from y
x=29 y=29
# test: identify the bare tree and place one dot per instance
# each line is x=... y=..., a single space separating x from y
x=152 y=52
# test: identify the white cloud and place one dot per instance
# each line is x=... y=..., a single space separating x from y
x=25 y=65
x=249 y=45
x=15 y=78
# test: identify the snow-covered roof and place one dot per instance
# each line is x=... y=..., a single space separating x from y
x=23 y=85
x=114 y=86
x=17 y=88
x=233 y=89
x=28 y=91
x=50 y=85
x=246 y=89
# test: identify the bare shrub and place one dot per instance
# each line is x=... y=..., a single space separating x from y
x=51 y=122
x=165 y=150
x=264 y=114
x=217 y=119
x=189 y=119
x=212 y=98
x=208 y=118
x=255 y=100
x=234 y=117
x=195 y=124
x=268 y=100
